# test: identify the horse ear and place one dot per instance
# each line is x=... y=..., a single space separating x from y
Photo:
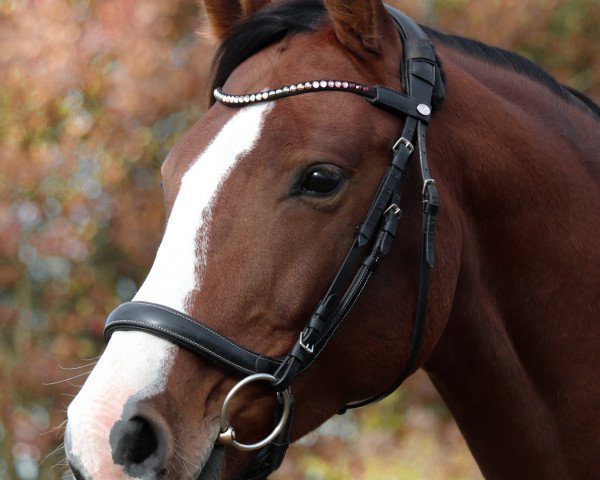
x=359 y=24
x=222 y=14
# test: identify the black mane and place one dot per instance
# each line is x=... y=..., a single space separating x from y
x=262 y=29
x=518 y=63
x=275 y=22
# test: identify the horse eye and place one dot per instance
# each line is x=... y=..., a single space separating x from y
x=321 y=180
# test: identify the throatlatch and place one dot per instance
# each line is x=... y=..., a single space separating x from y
x=421 y=77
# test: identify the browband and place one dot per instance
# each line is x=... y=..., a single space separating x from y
x=379 y=95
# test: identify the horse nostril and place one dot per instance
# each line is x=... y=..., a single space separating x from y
x=142 y=439
x=137 y=446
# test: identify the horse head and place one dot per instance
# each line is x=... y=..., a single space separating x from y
x=263 y=201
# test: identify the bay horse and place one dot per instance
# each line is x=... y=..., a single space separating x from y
x=263 y=198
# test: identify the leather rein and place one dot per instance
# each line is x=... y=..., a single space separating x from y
x=421 y=77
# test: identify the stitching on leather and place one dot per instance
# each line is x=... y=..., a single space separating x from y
x=207 y=329
x=329 y=336
x=406 y=104
x=187 y=340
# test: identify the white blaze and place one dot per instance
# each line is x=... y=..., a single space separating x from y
x=173 y=275
x=138 y=363
x=134 y=363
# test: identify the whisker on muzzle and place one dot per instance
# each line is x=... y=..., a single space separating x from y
x=67 y=380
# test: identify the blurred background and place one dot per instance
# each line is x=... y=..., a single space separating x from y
x=93 y=94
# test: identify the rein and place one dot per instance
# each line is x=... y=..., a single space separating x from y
x=421 y=77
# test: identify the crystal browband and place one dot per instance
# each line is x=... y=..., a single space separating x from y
x=380 y=95
x=289 y=90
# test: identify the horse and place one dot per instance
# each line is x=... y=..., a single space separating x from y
x=263 y=198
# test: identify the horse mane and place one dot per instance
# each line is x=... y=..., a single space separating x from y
x=271 y=24
x=517 y=63
x=263 y=28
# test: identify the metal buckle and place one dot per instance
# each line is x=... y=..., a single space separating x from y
x=306 y=346
x=426 y=183
x=406 y=143
x=395 y=209
x=227 y=434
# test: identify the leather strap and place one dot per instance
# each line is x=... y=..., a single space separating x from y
x=420 y=82
x=189 y=333
x=328 y=315
x=270 y=458
x=396 y=102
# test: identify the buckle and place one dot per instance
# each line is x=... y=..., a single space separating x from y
x=426 y=183
x=406 y=143
x=306 y=346
x=395 y=209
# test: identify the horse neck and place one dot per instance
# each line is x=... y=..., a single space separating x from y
x=517 y=361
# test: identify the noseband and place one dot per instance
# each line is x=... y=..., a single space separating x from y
x=421 y=77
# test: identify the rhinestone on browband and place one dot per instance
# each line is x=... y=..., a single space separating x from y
x=290 y=90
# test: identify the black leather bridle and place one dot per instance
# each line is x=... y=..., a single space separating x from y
x=421 y=77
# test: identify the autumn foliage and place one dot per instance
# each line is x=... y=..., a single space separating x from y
x=94 y=93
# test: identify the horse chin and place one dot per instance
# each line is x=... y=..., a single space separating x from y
x=210 y=470
x=213 y=466
x=208 y=463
